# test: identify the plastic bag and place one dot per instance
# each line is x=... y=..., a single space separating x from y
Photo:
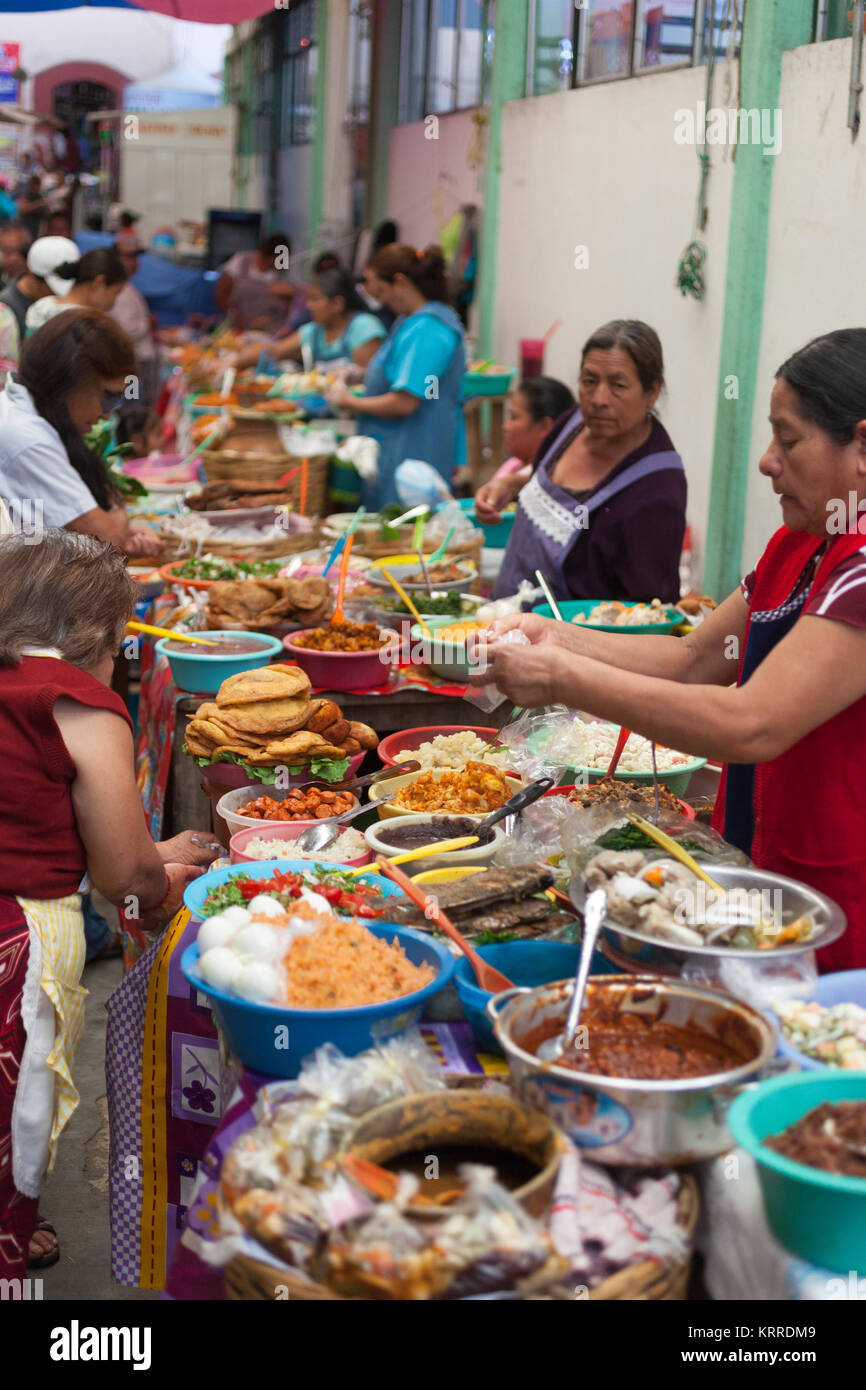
x=489 y=697
x=363 y=452
x=526 y=595
x=760 y=982
x=418 y=484
x=525 y=739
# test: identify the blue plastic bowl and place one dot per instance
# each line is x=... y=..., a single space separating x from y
x=819 y=1216
x=530 y=963
x=495 y=537
x=843 y=987
x=196 y=892
x=202 y=670
x=276 y=1041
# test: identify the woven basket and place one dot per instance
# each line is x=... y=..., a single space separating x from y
x=257 y=550
x=247 y=1279
x=222 y=465
x=648 y=1280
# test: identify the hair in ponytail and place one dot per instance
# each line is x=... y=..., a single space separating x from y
x=102 y=260
x=425 y=269
x=76 y=348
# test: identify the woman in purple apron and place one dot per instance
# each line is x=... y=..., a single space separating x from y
x=604 y=513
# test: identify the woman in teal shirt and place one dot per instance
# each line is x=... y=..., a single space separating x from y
x=342 y=330
x=412 y=403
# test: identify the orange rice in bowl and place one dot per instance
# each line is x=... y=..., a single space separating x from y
x=344 y=966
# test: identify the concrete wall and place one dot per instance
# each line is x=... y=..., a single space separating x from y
x=429 y=179
x=293 y=211
x=598 y=167
x=815 y=274
x=177 y=166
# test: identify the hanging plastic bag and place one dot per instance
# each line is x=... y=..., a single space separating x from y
x=526 y=595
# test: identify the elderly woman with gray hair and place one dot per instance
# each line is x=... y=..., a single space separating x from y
x=70 y=809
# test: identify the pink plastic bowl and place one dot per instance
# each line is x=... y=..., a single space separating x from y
x=286 y=831
x=411 y=740
x=230 y=775
x=342 y=671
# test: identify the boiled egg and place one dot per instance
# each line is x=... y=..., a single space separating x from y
x=258 y=941
x=263 y=906
x=220 y=967
x=215 y=931
x=259 y=981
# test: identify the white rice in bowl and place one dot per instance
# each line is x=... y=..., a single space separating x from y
x=592 y=745
x=454 y=751
x=349 y=844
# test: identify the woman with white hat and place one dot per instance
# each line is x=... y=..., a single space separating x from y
x=40 y=279
x=91 y=281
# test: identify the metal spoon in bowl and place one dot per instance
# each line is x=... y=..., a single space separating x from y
x=319 y=836
x=593 y=917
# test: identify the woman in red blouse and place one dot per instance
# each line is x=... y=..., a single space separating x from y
x=773 y=684
x=69 y=807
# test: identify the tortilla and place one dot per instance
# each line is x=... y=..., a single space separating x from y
x=303 y=745
x=265 y=683
x=264 y=718
x=198 y=747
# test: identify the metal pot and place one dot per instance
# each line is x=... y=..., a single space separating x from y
x=637 y=1123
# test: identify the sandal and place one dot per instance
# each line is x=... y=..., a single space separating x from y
x=50 y=1257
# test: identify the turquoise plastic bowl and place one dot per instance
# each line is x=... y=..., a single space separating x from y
x=202 y=672
x=818 y=1216
x=251 y=1029
x=527 y=963
x=569 y=608
x=488 y=383
x=495 y=537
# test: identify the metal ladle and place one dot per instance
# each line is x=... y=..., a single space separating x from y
x=593 y=917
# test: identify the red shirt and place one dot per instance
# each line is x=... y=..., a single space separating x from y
x=41 y=852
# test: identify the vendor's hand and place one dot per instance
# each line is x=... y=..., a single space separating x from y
x=537 y=629
x=493 y=497
x=527 y=675
x=143 y=542
x=179 y=875
x=340 y=398
x=190 y=847
x=247 y=357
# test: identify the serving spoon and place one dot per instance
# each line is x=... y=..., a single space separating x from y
x=325 y=832
x=516 y=803
x=593 y=918
x=487 y=977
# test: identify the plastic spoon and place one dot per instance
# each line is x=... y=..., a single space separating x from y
x=423 y=852
x=423 y=563
x=339 y=616
x=517 y=803
x=439 y=552
x=408 y=602
x=622 y=739
x=341 y=540
x=674 y=850
x=487 y=977
x=305 y=472
x=167 y=632
x=545 y=587
x=593 y=917
x=421 y=510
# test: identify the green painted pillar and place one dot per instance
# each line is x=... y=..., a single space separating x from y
x=384 y=104
x=317 y=174
x=507 y=83
x=770 y=27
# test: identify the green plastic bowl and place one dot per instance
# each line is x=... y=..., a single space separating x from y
x=446 y=659
x=676 y=779
x=818 y=1216
x=569 y=608
x=488 y=383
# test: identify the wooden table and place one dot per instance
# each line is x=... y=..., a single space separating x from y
x=187 y=807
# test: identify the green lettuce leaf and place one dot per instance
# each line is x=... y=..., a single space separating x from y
x=328 y=769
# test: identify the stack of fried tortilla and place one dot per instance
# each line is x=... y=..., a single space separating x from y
x=257 y=605
x=497 y=900
x=229 y=494
x=267 y=719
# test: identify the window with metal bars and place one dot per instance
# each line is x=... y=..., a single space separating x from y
x=298 y=74
x=445 y=53
x=574 y=42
